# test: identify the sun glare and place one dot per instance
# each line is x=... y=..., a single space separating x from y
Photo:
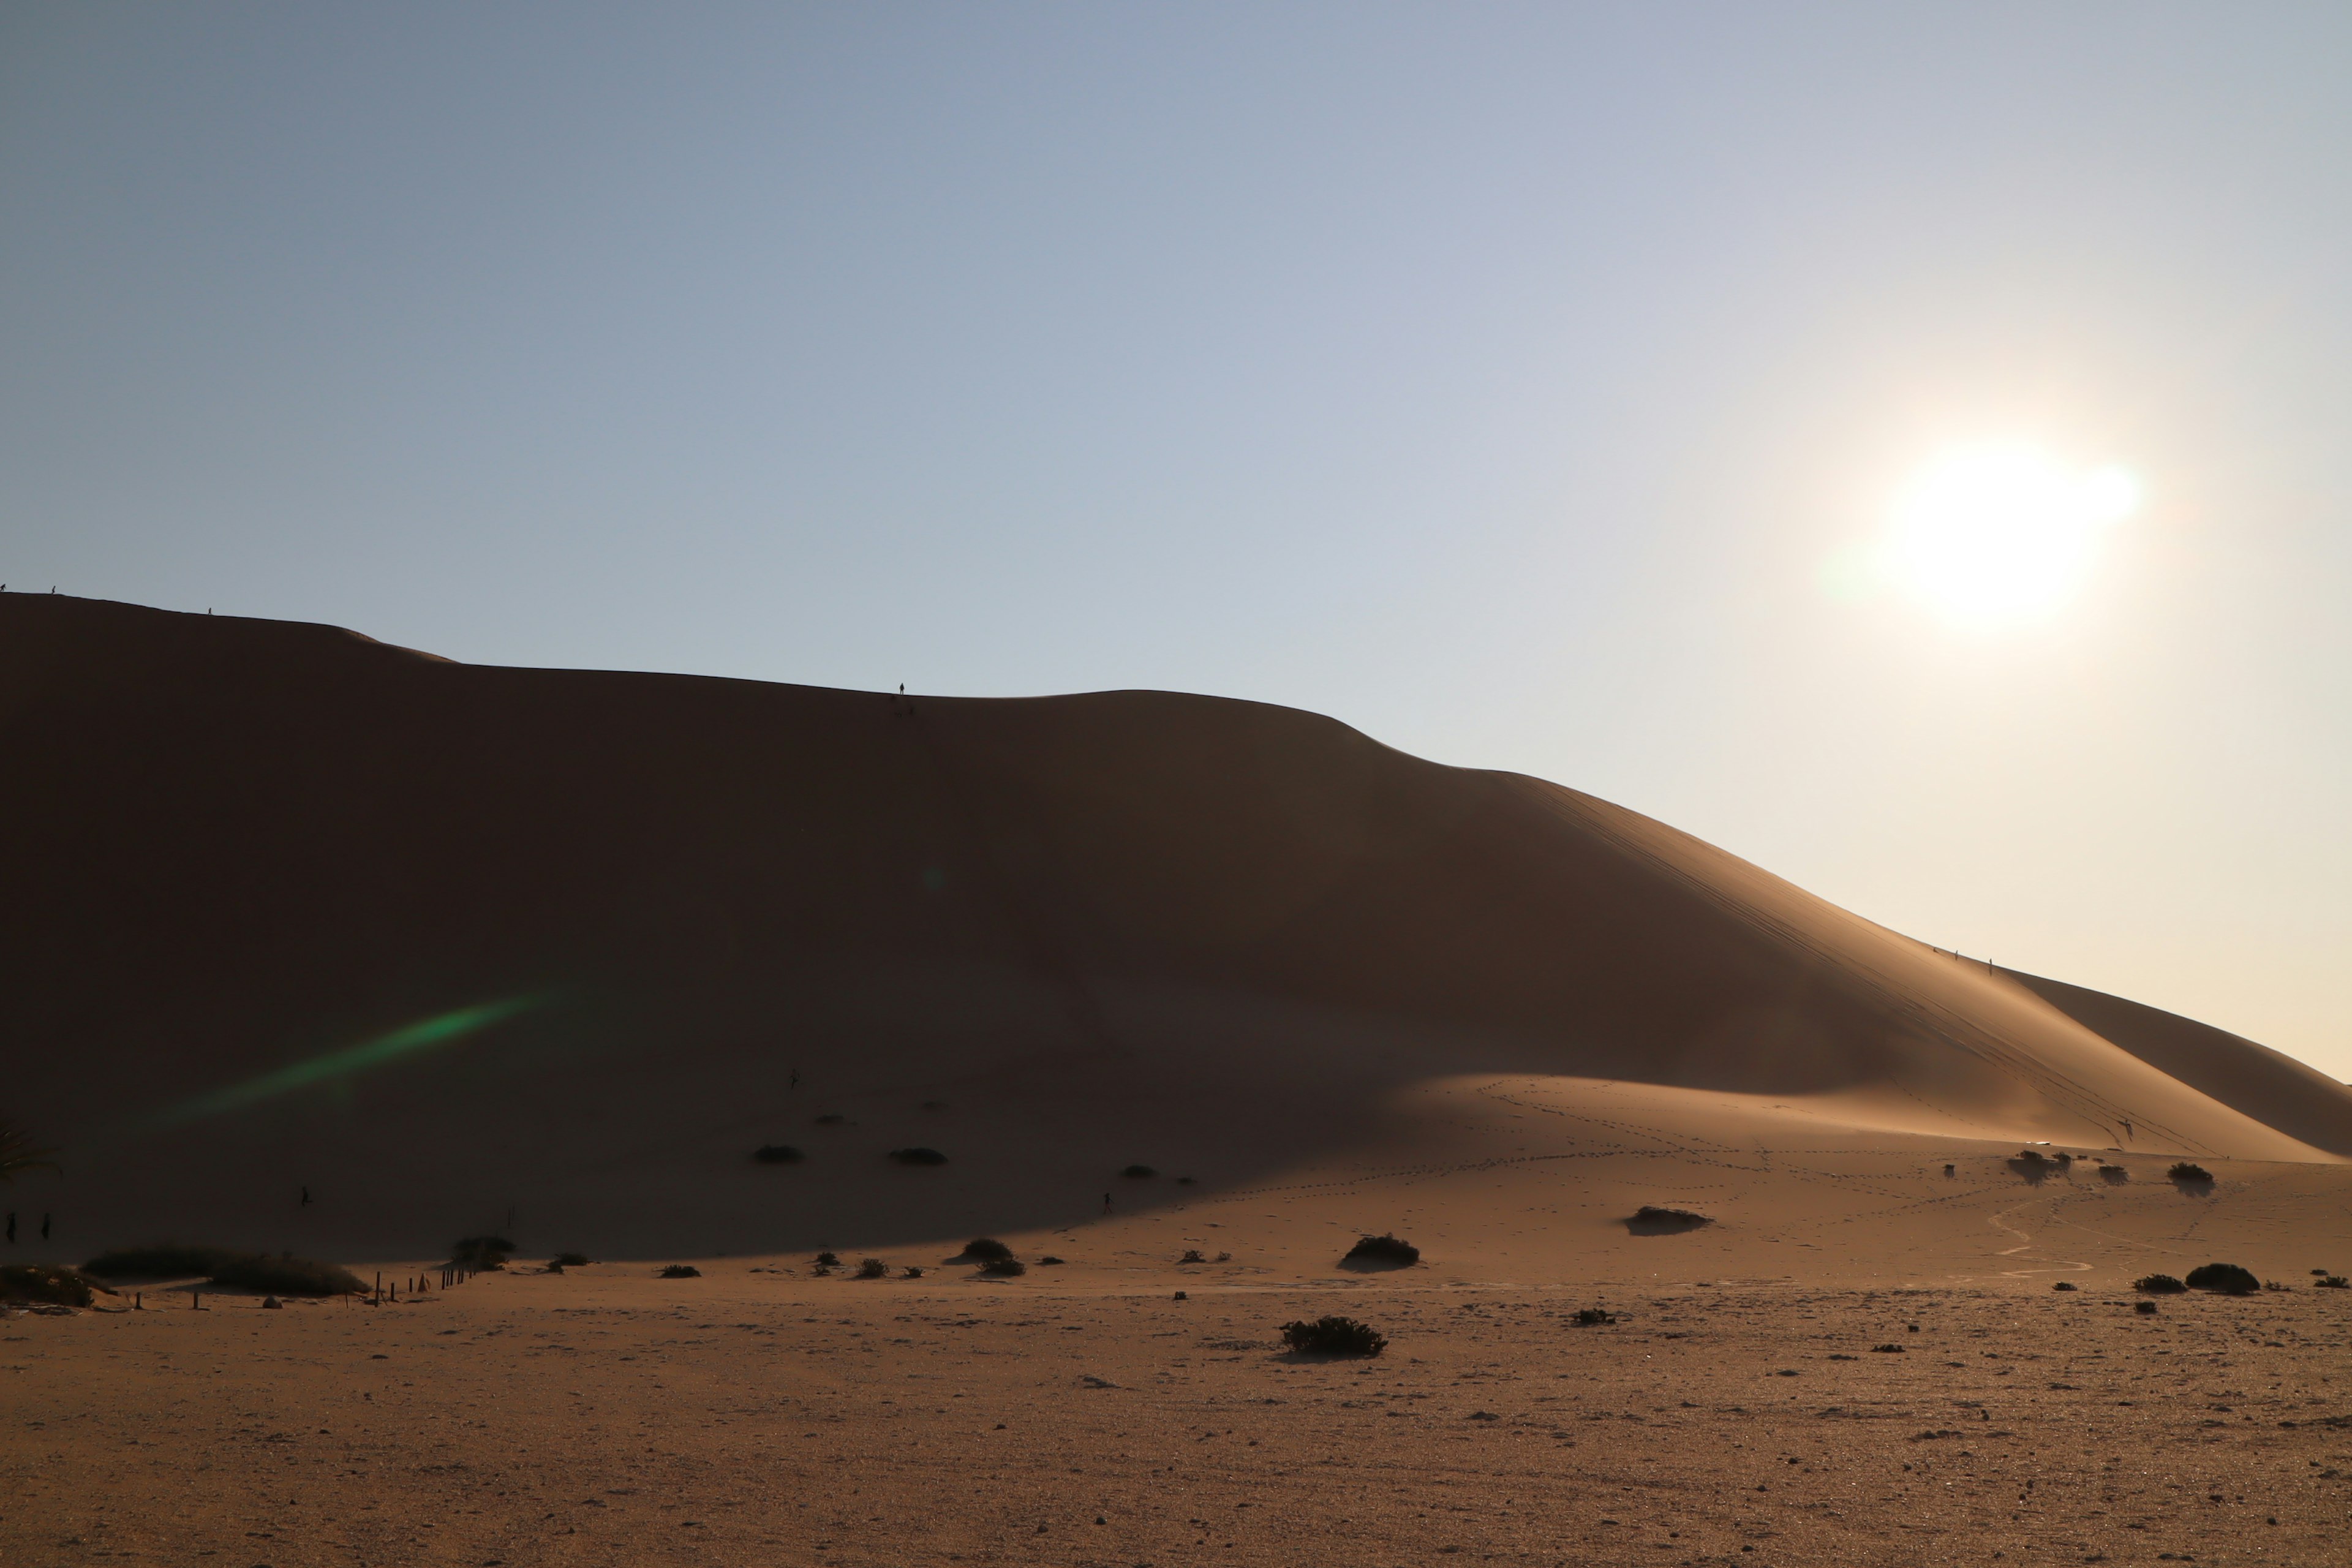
x=1996 y=535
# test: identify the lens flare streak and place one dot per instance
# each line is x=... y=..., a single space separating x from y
x=443 y=1029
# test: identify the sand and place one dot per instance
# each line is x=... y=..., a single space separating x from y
x=339 y=948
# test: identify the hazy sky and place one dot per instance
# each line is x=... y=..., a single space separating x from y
x=1509 y=381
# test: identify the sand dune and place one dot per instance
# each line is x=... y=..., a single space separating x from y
x=451 y=946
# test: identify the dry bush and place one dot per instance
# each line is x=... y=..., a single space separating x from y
x=873 y=1269
x=2158 y=1285
x=983 y=1249
x=1004 y=1268
x=1384 y=1251
x=2223 y=1279
x=1334 y=1336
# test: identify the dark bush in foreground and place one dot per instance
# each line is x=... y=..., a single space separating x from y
x=1385 y=1251
x=918 y=1156
x=1889 y=1349
x=1049 y=1261
x=481 y=1253
x=2330 y=1282
x=983 y=1249
x=2157 y=1285
x=42 y=1284
x=1590 y=1317
x=1334 y=1336
x=873 y=1269
x=2116 y=1174
x=286 y=1277
x=777 y=1154
x=1139 y=1173
x=2226 y=1278
x=164 y=1260
x=1193 y=1255
x=914 y=1272
x=1004 y=1268
x=569 y=1260
x=827 y=1260
x=2065 y=1285
x=1652 y=1220
x=2190 y=1174
x=2144 y=1307
x=681 y=1271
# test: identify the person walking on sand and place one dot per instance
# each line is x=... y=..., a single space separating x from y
x=1106 y=1202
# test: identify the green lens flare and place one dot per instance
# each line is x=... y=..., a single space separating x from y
x=336 y=1066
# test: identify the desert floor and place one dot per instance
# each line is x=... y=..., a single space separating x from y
x=605 y=1415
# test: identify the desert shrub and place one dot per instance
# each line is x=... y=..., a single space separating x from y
x=1889 y=1349
x=2065 y=1285
x=777 y=1154
x=1224 y=1257
x=2329 y=1283
x=918 y=1156
x=1049 y=1261
x=164 y=1260
x=569 y=1260
x=2114 y=1173
x=914 y=1272
x=828 y=1260
x=1192 y=1255
x=2029 y=1157
x=680 y=1272
x=481 y=1253
x=2158 y=1285
x=1004 y=1268
x=1587 y=1317
x=1334 y=1336
x=873 y=1269
x=1388 y=1251
x=1139 y=1173
x=2226 y=1278
x=2187 y=1172
x=2144 y=1307
x=2273 y=1285
x=983 y=1249
x=2065 y=1159
x=43 y=1284
x=1651 y=1219
x=286 y=1277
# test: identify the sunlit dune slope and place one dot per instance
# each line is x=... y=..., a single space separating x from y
x=289 y=907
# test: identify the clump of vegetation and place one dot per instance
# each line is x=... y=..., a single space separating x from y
x=983 y=1249
x=1334 y=1336
x=1192 y=1255
x=918 y=1156
x=828 y=1260
x=2190 y=1174
x=2330 y=1282
x=1049 y=1261
x=2028 y=1164
x=680 y=1272
x=2114 y=1173
x=1651 y=1219
x=2223 y=1279
x=481 y=1253
x=2146 y=1308
x=1139 y=1173
x=286 y=1274
x=1589 y=1317
x=1384 y=1251
x=1890 y=1348
x=2157 y=1285
x=914 y=1272
x=778 y=1154
x=2065 y=1285
x=570 y=1260
x=1004 y=1268
x=164 y=1260
x=873 y=1269
x=44 y=1285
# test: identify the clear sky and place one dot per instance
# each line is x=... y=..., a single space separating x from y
x=1531 y=386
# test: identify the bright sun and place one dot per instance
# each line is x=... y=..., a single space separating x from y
x=1998 y=534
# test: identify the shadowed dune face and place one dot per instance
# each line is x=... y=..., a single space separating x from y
x=290 y=907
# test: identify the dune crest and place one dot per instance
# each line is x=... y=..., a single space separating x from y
x=297 y=909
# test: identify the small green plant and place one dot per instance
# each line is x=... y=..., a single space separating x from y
x=873 y=1269
x=2223 y=1279
x=1334 y=1336
x=983 y=1249
x=918 y=1156
x=1383 y=1252
x=680 y=1272
x=164 y=1260
x=777 y=1154
x=2157 y=1285
x=287 y=1276
x=44 y=1285
x=1004 y=1268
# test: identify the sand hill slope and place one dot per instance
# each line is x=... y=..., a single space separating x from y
x=287 y=908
